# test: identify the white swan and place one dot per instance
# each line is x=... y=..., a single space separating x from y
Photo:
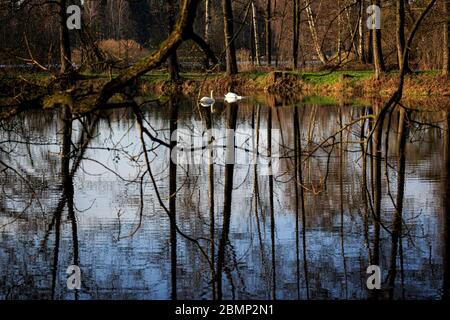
x=231 y=97
x=208 y=101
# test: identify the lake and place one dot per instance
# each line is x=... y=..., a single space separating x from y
x=268 y=199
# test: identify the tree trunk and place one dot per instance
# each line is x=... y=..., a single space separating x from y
x=269 y=32
x=174 y=71
x=255 y=33
x=207 y=20
x=312 y=26
x=339 y=36
x=229 y=41
x=182 y=31
x=296 y=32
x=361 y=40
x=446 y=65
x=64 y=40
x=400 y=15
x=377 y=49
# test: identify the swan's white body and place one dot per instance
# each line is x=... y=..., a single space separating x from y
x=231 y=97
x=208 y=101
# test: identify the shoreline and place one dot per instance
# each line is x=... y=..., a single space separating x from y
x=337 y=84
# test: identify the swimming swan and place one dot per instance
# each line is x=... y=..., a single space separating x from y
x=208 y=101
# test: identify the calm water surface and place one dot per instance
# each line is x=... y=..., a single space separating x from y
x=74 y=200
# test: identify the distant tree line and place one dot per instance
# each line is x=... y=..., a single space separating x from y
x=291 y=34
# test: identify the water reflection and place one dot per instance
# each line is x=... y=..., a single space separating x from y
x=101 y=192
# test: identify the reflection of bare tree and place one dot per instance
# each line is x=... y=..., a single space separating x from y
x=446 y=211
x=271 y=208
x=299 y=197
x=172 y=195
x=228 y=190
x=397 y=224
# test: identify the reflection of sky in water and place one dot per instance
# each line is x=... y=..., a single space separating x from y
x=139 y=266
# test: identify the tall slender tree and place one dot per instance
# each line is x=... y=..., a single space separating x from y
x=378 y=59
x=64 y=40
x=172 y=60
x=400 y=14
x=361 y=37
x=255 y=33
x=296 y=32
x=229 y=38
x=312 y=27
x=446 y=65
x=269 y=32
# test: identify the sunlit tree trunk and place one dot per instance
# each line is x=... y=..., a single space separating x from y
x=361 y=38
x=339 y=34
x=229 y=41
x=312 y=27
x=207 y=20
x=446 y=44
x=255 y=33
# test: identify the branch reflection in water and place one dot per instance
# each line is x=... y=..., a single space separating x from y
x=99 y=191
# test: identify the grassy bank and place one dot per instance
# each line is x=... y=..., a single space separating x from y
x=349 y=84
x=340 y=85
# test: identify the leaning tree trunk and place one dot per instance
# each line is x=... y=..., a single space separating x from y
x=64 y=40
x=312 y=27
x=229 y=41
x=378 y=60
x=446 y=65
x=183 y=30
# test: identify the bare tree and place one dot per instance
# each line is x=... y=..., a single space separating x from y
x=229 y=38
x=174 y=71
x=361 y=37
x=269 y=32
x=378 y=59
x=64 y=40
x=400 y=14
x=312 y=27
x=255 y=33
x=296 y=32
x=446 y=46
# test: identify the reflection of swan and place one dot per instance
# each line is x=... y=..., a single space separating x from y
x=231 y=97
x=208 y=101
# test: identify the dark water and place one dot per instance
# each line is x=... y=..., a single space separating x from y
x=88 y=199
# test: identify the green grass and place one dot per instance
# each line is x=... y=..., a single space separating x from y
x=331 y=77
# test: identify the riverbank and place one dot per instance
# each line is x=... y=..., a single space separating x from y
x=279 y=87
x=337 y=84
